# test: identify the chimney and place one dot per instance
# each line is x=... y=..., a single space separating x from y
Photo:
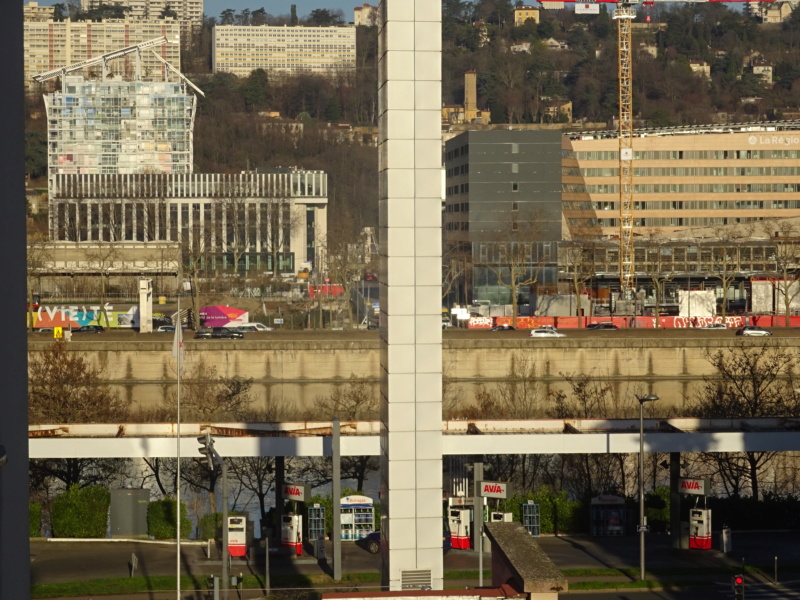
x=470 y=92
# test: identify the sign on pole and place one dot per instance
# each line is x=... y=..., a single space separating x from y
x=696 y=487
x=493 y=489
x=292 y=491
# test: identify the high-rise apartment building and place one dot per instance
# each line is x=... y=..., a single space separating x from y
x=185 y=10
x=240 y=49
x=119 y=127
x=33 y=11
x=54 y=44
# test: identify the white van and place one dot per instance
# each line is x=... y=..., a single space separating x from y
x=251 y=327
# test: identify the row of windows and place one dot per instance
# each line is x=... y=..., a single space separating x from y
x=460 y=151
x=458 y=207
x=458 y=189
x=679 y=221
x=686 y=172
x=687 y=188
x=684 y=154
x=691 y=205
x=458 y=226
x=459 y=170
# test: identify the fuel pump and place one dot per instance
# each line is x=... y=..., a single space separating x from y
x=292 y=532
x=459 y=521
x=700 y=528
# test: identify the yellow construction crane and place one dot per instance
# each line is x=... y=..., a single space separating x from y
x=624 y=13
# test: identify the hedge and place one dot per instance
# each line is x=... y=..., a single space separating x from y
x=161 y=520
x=34 y=519
x=210 y=525
x=81 y=513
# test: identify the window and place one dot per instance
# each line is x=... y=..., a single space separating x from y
x=514 y=187
x=515 y=206
x=515 y=167
x=514 y=148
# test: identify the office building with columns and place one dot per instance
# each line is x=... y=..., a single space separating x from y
x=268 y=221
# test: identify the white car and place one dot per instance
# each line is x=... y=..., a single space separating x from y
x=547 y=332
x=714 y=326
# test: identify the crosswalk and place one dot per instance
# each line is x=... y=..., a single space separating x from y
x=767 y=591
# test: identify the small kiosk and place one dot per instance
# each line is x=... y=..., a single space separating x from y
x=357 y=517
x=608 y=515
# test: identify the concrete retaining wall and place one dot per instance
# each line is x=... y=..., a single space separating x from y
x=297 y=373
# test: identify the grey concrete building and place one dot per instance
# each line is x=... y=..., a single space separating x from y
x=502 y=215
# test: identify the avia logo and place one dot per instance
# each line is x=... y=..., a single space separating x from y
x=690 y=485
x=292 y=491
x=493 y=488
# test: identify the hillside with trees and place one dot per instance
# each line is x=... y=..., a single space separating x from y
x=234 y=130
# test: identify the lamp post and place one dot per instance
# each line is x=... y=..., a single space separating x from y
x=642 y=526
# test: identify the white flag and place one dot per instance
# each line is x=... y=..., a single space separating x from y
x=177 y=344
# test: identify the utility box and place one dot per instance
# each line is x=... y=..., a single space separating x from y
x=129 y=513
x=608 y=515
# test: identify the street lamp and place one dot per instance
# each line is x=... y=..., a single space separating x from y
x=642 y=526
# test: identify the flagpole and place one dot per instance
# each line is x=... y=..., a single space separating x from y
x=178 y=353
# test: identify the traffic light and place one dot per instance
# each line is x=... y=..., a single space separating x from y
x=737 y=583
x=207 y=450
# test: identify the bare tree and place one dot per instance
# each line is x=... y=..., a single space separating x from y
x=345 y=263
x=659 y=267
x=747 y=382
x=515 y=259
x=63 y=387
x=205 y=395
x=104 y=257
x=38 y=257
x=786 y=262
x=197 y=253
x=579 y=259
x=723 y=260
x=279 y=221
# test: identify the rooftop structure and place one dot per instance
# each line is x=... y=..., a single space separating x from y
x=32 y=11
x=366 y=15
x=240 y=49
x=186 y=10
x=54 y=44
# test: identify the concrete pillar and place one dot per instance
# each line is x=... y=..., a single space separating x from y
x=409 y=97
x=145 y=306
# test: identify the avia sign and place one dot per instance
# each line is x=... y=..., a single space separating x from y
x=493 y=489
x=696 y=487
x=293 y=491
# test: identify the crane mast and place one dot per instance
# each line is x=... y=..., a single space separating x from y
x=624 y=14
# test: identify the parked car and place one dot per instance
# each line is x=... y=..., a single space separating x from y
x=502 y=328
x=372 y=542
x=602 y=325
x=166 y=329
x=226 y=333
x=549 y=332
x=45 y=330
x=753 y=330
x=90 y=329
x=714 y=326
